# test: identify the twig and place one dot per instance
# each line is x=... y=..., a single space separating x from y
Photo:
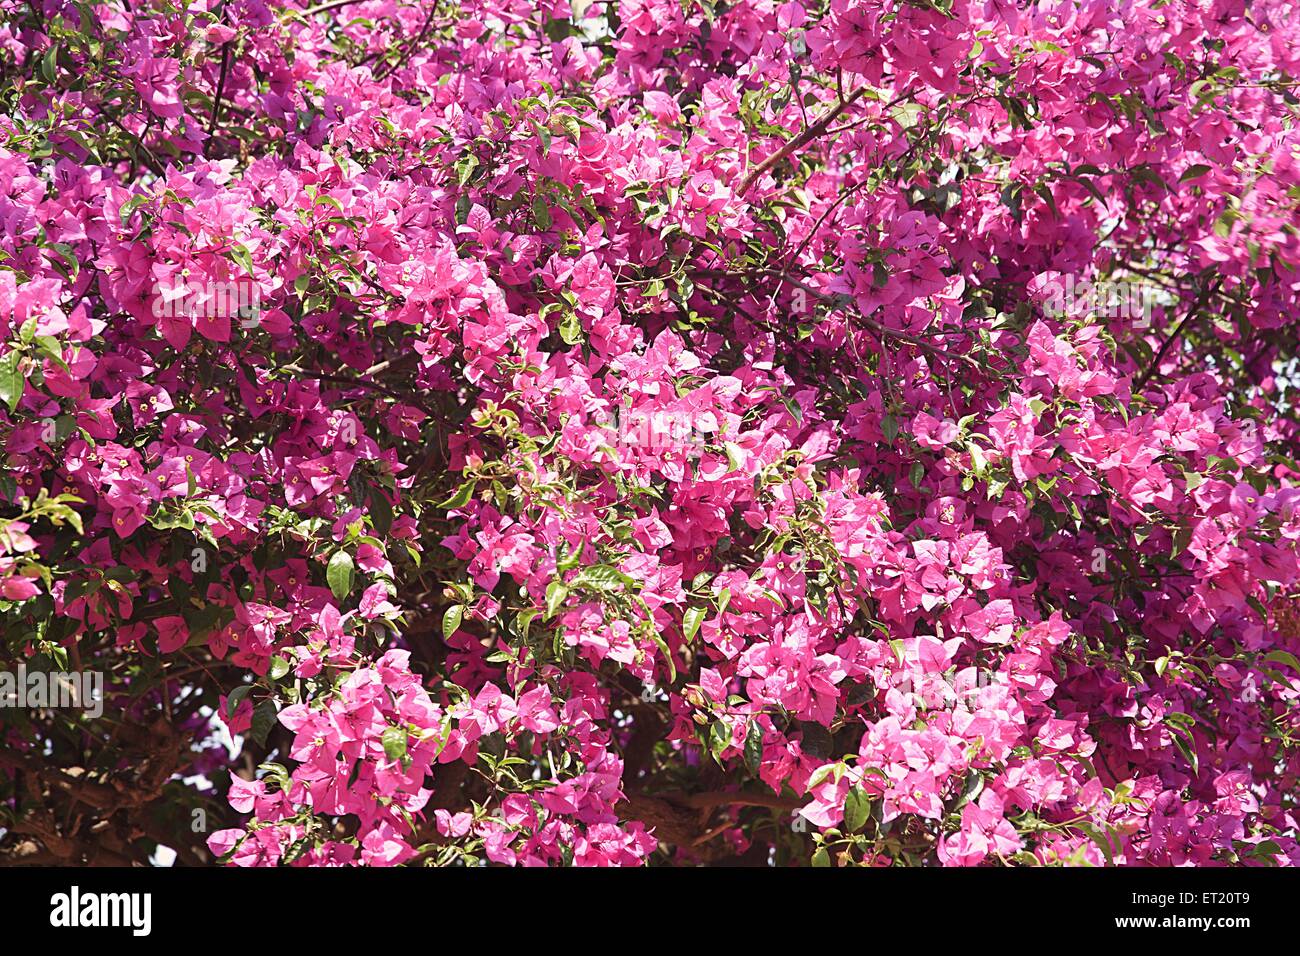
x=150 y=159
x=410 y=47
x=878 y=328
x=1199 y=304
x=326 y=7
x=704 y=801
x=216 y=102
x=811 y=133
x=360 y=383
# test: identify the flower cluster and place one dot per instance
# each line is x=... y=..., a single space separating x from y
x=953 y=568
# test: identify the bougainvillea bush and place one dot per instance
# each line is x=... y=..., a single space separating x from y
x=651 y=432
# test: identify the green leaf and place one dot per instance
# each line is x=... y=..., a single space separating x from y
x=572 y=128
x=1102 y=842
x=50 y=64
x=394 y=740
x=340 y=574
x=1284 y=657
x=461 y=496
x=130 y=206
x=264 y=718
x=236 y=698
x=817 y=740
x=464 y=169
x=1187 y=747
x=570 y=559
x=522 y=621
x=542 y=213
x=451 y=619
x=1194 y=172
x=889 y=427
x=381 y=512
x=602 y=577
x=691 y=621
x=735 y=456
x=973 y=787
x=279 y=667
x=821 y=858
x=571 y=329
x=819 y=775
x=1265 y=851
x=667 y=653
x=857 y=807
x=11 y=379
x=52 y=350
x=1181 y=538
x=543 y=136
x=754 y=747
x=295 y=850
x=719 y=738
x=243 y=258
x=556 y=592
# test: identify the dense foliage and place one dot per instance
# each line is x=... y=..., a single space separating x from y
x=652 y=431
